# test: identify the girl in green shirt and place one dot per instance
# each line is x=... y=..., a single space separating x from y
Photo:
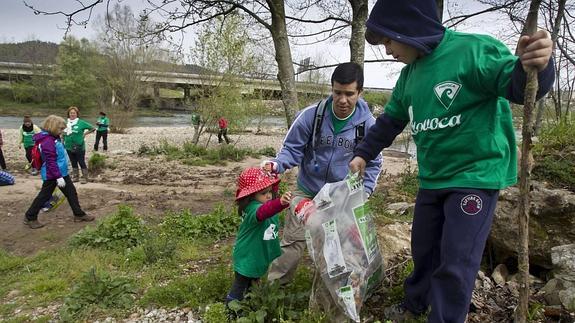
x=257 y=243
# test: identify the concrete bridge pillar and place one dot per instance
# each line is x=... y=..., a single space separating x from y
x=156 y=91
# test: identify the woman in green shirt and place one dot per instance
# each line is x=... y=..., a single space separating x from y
x=103 y=123
x=76 y=130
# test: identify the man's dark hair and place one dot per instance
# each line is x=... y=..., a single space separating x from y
x=347 y=73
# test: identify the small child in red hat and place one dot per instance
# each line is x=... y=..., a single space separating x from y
x=257 y=243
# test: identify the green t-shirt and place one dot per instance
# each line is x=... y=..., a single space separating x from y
x=103 y=123
x=26 y=136
x=459 y=118
x=257 y=243
x=76 y=138
x=195 y=119
x=338 y=124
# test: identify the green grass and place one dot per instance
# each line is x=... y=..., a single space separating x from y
x=193 y=155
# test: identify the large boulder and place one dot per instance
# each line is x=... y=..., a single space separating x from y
x=561 y=289
x=551 y=223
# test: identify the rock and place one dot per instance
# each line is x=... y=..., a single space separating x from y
x=551 y=223
x=400 y=208
x=500 y=274
x=563 y=258
x=553 y=311
x=551 y=292
x=394 y=239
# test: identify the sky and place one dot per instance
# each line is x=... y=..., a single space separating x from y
x=19 y=23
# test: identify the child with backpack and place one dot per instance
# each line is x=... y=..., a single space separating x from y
x=257 y=243
x=27 y=130
x=54 y=171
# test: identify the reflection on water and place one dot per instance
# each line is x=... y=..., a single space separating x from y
x=175 y=120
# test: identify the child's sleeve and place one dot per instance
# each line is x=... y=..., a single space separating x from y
x=269 y=209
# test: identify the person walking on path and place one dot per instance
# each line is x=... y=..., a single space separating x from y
x=27 y=130
x=453 y=94
x=223 y=132
x=54 y=173
x=103 y=124
x=196 y=120
x=2 y=160
x=320 y=142
x=257 y=243
x=76 y=131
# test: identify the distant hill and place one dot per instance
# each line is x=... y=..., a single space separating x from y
x=40 y=52
x=34 y=51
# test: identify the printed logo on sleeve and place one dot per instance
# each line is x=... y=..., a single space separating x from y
x=471 y=204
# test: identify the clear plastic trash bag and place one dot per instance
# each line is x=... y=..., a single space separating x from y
x=342 y=241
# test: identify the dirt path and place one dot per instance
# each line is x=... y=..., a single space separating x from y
x=151 y=186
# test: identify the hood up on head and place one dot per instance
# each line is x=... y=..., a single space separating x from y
x=411 y=22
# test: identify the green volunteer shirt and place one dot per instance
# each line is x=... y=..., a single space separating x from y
x=26 y=136
x=257 y=243
x=458 y=116
x=77 y=135
x=338 y=123
x=103 y=123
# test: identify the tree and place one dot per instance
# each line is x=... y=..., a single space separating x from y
x=75 y=76
x=225 y=51
x=124 y=57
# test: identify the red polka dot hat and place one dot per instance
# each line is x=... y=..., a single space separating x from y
x=253 y=180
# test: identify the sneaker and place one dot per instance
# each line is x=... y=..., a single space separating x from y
x=34 y=172
x=398 y=313
x=33 y=224
x=45 y=209
x=84 y=218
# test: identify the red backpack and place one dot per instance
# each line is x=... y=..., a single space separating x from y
x=36 y=156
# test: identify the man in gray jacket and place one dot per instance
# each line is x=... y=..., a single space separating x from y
x=321 y=142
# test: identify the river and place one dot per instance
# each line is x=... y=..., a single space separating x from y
x=183 y=120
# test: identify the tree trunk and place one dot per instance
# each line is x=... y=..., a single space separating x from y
x=357 y=41
x=522 y=311
x=539 y=116
x=286 y=75
x=439 y=9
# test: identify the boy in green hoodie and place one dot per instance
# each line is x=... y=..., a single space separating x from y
x=453 y=94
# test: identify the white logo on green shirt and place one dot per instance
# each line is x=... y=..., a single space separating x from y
x=446 y=92
x=270 y=233
x=433 y=123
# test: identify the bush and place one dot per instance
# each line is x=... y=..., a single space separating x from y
x=119 y=231
x=218 y=224
x=158 y=249
x=100 y=290
x=199 y=289
x=97 y=162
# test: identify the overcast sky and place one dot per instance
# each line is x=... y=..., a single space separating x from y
x=19 y=23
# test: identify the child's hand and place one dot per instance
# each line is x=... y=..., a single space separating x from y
x=286 y=198
x=535 y=50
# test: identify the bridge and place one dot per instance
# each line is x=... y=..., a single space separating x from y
x=187 y=81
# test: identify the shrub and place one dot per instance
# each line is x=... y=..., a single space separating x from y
x=119 y=231
x=97 y=162
x=158 y=249
x=218 y=224
x=100 y=290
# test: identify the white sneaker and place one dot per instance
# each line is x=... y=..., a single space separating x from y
x=34 y=172
x=45 y=209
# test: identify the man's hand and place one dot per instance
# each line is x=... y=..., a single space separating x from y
x=285 y=199
x=61 y=182
x=357 y=164
x=535 y=51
